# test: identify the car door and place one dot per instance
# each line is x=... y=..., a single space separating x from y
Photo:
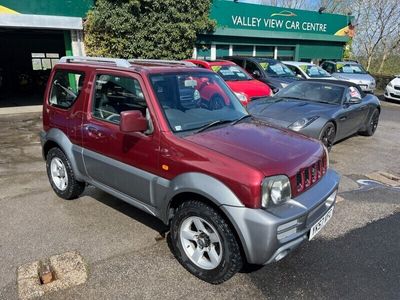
x=352 y=116
x=125 y=162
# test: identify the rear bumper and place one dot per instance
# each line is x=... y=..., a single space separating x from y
x=268 y=236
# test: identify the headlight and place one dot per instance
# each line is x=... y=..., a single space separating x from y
x=390 y=84
x=304 y=122
x=242 y=97
x=373 y=83
x=275 y=189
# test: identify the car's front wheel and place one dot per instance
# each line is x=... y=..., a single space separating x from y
x=204 y=243
x=61 y=176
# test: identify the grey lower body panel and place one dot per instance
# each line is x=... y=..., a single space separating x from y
x=265 y=234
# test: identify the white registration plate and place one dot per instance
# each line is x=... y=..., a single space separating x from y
x=321 y=223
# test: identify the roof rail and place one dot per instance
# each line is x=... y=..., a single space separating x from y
x=162 y=61
x=119 y=62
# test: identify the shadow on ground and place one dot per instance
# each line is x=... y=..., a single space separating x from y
x=125 y=208
x=363 y=264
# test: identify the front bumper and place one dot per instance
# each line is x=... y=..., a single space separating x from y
x=392 y=93
x=268 y=236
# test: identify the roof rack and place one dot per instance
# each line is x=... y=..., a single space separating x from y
x=119 y=62
x=123 y=63
x=162 y=61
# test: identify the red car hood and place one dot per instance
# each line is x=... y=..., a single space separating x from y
x=252 y=88
x=270 y=150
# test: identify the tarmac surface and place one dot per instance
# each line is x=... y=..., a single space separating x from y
x=356 y=256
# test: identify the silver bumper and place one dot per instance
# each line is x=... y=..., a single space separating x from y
x=269 y=235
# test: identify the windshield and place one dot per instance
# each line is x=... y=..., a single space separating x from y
x=315 y=71
x=231 y=73
x=276 y=69
x=193 y=100
x=313 y=91
x=350 y=69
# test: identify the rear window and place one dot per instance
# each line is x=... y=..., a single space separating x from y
x=65 y=88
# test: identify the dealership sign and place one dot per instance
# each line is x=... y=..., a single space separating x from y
x=235 y=15
x=266 y=23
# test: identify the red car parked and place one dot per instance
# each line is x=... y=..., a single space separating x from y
x=245 y=87
x=231 y=188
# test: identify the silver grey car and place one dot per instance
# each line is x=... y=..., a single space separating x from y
x=351 y=71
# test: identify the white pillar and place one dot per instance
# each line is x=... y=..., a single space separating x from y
x=194 y=55
x=213 y=52
x=276 y=52
x=78 y=47
x=230 y=50
x=254 y=50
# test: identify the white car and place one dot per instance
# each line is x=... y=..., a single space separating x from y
x=307 y=70
x=392 y=90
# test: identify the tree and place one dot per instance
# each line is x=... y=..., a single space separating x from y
x=164 y=29
x=377 y=27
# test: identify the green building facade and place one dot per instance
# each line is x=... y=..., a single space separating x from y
x=286 y=34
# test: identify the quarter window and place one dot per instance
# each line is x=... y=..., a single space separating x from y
x=66 y=87
x=115 y=94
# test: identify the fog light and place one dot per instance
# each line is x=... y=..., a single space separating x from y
x=329 y=201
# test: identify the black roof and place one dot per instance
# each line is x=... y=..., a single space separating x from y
x=339 y=82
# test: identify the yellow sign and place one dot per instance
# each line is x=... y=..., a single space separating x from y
x=5 y=10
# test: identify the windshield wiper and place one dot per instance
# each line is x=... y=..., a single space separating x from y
x=209 y=125
x=241 y=118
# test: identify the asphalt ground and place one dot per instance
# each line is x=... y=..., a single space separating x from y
x=356 y=256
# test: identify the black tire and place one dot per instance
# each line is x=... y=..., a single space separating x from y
x=216 y=102
x=73 y=188
x=372 y=123
x=327 y=135
x=231 y=258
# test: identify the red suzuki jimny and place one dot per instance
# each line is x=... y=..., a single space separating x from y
x=231 y=188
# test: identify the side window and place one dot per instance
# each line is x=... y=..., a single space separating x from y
x=295 y=70
x=251 y=67
x=329 y=68
x=115 y=94
x=65 y=88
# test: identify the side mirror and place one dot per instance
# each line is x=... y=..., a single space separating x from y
x=354 y=100
x=299 y=76
x=133 y=121
x=256 y=74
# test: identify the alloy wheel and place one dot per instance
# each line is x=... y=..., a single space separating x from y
x=59 y=173
x=201 y=242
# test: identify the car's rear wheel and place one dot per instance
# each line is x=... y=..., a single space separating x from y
x=327 y=135
x=372 y=123
x=204 y=243
x=61 y=176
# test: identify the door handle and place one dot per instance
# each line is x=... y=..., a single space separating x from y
x=343 y=118
x=94 y=132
